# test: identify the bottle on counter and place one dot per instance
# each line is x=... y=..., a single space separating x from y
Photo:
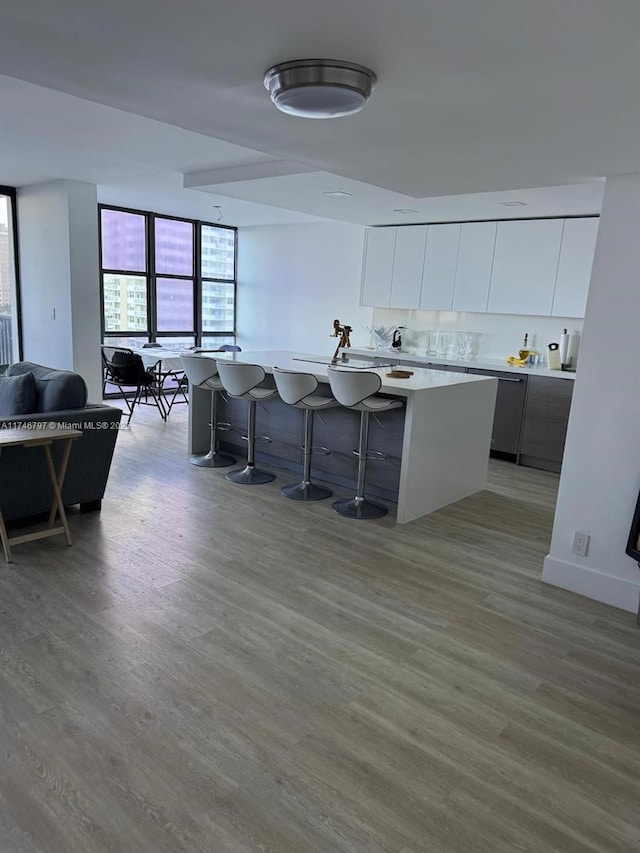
x=525 y=352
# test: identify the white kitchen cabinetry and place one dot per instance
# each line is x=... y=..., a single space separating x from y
x=377 y=269
x=440 y=260
x=574 y=268
x=531 y=266
x=525 y=265
x=473 y=270
x=408 y=264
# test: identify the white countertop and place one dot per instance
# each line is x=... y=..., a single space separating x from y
x=403 y=357
x=421 y=380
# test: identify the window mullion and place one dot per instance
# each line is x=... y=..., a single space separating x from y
x=152 y=304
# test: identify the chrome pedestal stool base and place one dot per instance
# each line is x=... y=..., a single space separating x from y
x=305 y=492
x=359 y=508
x=213 y=460
x=250 y=476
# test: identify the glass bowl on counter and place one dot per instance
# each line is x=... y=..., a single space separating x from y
x=381 y=336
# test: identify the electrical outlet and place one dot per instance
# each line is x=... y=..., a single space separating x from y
x=581 y=543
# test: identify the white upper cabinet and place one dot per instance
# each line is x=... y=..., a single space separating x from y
x=377 y=268
x=530 y=266
x=574 y=268
x=473 y=270
x=440 y=259
x=408 y=263
x=525 y=265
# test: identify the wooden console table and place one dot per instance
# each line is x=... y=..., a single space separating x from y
x=24 y=437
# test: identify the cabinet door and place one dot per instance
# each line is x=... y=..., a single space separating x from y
x=408 y=263
x=507 y=421
x=525 y=265
x=473 y=270
x=439 y=274
x=378 y=267
x=574 y=268
x=546 y=415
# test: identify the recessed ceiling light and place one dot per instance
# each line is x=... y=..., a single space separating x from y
x=339 y=194
x=513 y=203
x=404 y=210
x=319 y=88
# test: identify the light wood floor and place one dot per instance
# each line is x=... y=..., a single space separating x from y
x=214 y=668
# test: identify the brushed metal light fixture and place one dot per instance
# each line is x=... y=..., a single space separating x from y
x=319 y=88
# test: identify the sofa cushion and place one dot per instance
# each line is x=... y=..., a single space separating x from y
x=56 y=390
x=17 y=394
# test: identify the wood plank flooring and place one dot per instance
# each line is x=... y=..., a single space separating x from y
x=213 y=668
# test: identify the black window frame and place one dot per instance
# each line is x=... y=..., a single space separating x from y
x=151 y=276
x=12 y=194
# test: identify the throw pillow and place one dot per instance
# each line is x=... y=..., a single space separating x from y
x=17 y=395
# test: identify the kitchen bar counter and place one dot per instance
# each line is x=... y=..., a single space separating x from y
x=443 y=446
x=405 y=357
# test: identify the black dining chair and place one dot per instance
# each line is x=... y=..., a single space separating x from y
x=125 y=369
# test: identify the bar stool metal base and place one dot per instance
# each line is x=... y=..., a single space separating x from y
x=305 y=492
x=250 y=476
x=359 y=508
x=213 y=460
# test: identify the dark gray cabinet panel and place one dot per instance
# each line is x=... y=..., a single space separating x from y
x=451 y=368
x=335 y=430
x=234 y=413
x=545 y=422
x=280 y=424
x=510 y=400
x=385 y=450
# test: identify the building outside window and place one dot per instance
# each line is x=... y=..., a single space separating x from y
x=168 y=280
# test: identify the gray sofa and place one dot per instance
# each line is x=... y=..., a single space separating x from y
x=32 y=393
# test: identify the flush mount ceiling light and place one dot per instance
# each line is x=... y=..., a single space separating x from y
x=339 y=194
x=513 y=203
x=405 y=210
x=319 y=88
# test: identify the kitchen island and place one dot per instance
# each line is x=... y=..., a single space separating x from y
x=430 y=453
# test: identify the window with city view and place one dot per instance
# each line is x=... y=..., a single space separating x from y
x=166 y=279
x=9 y=315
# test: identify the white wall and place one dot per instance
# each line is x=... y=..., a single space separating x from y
x=43 y=227
x=58 y=228
x=601 y=468
x=499 y=335
x=294 y=280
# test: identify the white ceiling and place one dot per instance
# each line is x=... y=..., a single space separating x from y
x=481 y=100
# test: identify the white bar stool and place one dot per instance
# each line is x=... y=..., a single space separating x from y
x=203 y=373
x=241 y=380
x=297 y=389
x=356 y=389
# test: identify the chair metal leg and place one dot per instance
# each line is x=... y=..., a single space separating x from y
x=213 y=459
x=359 y=506
x=306 y=490
x=250 y=475
x=130 y=405
x=158 y=401
x=179 y=389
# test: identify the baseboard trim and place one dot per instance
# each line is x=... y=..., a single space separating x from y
x=618 y=592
